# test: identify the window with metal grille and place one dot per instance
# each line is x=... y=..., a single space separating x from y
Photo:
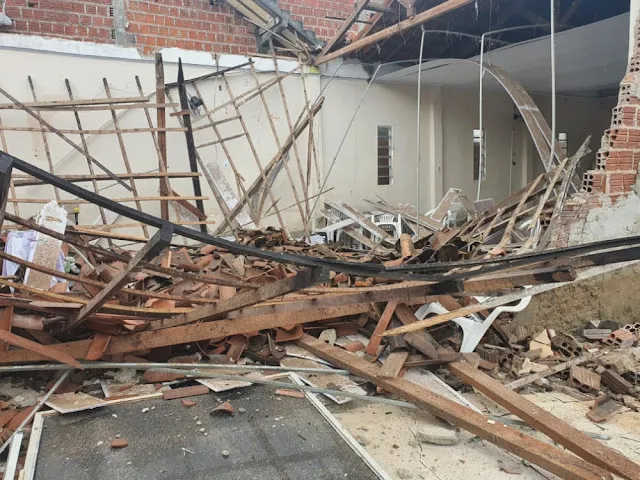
x=385 y=155
x=563 y=140
x=478 y=156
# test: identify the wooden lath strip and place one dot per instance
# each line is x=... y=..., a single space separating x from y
x=25 y=180
x=94 y=183
x=45 y=140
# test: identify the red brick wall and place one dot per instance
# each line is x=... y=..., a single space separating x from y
x=617 y=160
x=188 y=24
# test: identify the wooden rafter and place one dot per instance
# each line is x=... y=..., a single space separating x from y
x=400 y=27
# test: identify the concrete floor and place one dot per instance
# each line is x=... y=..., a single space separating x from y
x=389 y=434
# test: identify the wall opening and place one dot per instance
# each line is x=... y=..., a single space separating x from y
x=385 y=155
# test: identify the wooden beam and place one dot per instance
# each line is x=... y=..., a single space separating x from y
x=421 y=341
x=535 y=451
x=73 y=103
x=557 y=429
x=462 y=312
x=383 y=323
x=301 y=280
x=344 y=28
x=48 y=353
x=191 y=146
x=151 y=249
x=25 y=181
x=119 y=200
x=193 y=333
x=399 y=28
x=6 y=319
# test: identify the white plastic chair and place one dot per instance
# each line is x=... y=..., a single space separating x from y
x=388 y=220
x=473 y=326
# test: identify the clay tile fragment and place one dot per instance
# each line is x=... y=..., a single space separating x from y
x=119 y=443
x=188 y=403
x=224 y=409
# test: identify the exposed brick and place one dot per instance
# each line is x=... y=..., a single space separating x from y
x=189 y=24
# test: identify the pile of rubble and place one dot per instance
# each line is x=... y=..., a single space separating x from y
x=222 y=315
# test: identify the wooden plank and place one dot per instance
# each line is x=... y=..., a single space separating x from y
x=344 y=28
x=361 y=220
x=563 y=192
x=506 y=236
x=462 y=312
x=85 y=145
x=191 y=147
x=552 y=184
x=101 y=131
x=397 y=29
x=49 y=353
x=301 y=280
x=99 y=284
x=185 y=392
x=73 y=103
x=98 y=346
x=584 y=446
x=27 y=181
x=161 y=121
x=193 y=333
x=6 y=318
x=421 y=341
x=151 y=249
x=220 y=279
x=383 y=323
x=550 y=458
x=394 y=363
x=119 y=200
x=529 y=379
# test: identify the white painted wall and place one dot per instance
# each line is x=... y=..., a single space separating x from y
x=49 y=70
x=448 y=118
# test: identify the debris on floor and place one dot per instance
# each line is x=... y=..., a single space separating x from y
x=378 y=306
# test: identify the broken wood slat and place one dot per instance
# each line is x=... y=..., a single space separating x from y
x=119 y=200
x=563 y=191
x=185 y=392
x=266 y=292
x=344 y=28
x=6 y=319
x=394 y=363
x=462 y=312
x=74 y=303
x=41 y=351
x=27 y=181
x=73 y=103
x=361 y=220
x=111 y=131
x=99 y=284
x=151 y=249
x=367 y=242
x=552 y=184
x=221 y=140
x=521 y=382
x=98 y=346
x=508 y=280
x=191 y=147
x=586 y=447
x=383 y=323
x=535 y=451
x=194 y=333
x=161 y=139
x=215 y=280
x=396 y=29
x=421 y=341
x=506 y=236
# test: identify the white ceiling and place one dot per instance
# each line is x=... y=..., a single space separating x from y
x=589 y=59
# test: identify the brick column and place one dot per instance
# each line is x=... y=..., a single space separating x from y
x=617 y=159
